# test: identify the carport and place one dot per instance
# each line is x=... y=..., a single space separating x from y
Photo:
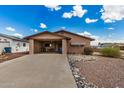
x=47 y=42
x=48 y=46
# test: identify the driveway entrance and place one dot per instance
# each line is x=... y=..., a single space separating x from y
x=39 y=70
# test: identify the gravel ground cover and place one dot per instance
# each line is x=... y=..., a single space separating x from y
x=10 y=56
x=100 y=71
x=79 y=78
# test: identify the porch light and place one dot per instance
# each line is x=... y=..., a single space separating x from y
x=50 y=44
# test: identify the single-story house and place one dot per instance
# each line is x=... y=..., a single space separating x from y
x=13 y=44
x=57 y=42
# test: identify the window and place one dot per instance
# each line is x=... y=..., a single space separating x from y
x=47 y=45
x=18 y=44
x=24 y=44
x=5 y=39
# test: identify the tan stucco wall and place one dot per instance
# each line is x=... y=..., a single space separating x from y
x=64 y=46
x=75 y=39
x=75 y=49
x=37 y=46
x=31 y=46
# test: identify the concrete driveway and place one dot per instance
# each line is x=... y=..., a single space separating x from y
x=39 y=70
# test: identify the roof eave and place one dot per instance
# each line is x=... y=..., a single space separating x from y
x=28 y=37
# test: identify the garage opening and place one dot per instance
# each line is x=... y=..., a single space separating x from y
x=48 y=46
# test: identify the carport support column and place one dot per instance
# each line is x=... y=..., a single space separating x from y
x=31 y=46
x=64 y=46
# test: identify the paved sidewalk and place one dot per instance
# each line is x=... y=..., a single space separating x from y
x=40 y=70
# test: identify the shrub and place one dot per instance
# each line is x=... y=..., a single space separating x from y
x=111 y=52
x=88 y=51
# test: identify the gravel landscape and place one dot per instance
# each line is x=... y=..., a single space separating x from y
x=9 y=56
x=98 y=71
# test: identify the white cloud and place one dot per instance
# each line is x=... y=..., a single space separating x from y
x=42 y=25
x=67 y=15
x=53 y=7
x=18 y=35
x=86 y=33
x=109 y=21
x=112 y=13
x=111 y=28
x=35 y=30
x=95 y=37
x=77 y=11
x=88 y=20
x=10 y=29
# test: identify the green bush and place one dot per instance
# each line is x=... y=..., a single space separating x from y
x=111 y=52
x=88 y=51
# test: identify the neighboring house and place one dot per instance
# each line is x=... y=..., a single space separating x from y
x=15 y=44
x=58 y=42
x=104 y=45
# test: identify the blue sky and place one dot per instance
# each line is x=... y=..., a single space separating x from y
x=104 y=23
